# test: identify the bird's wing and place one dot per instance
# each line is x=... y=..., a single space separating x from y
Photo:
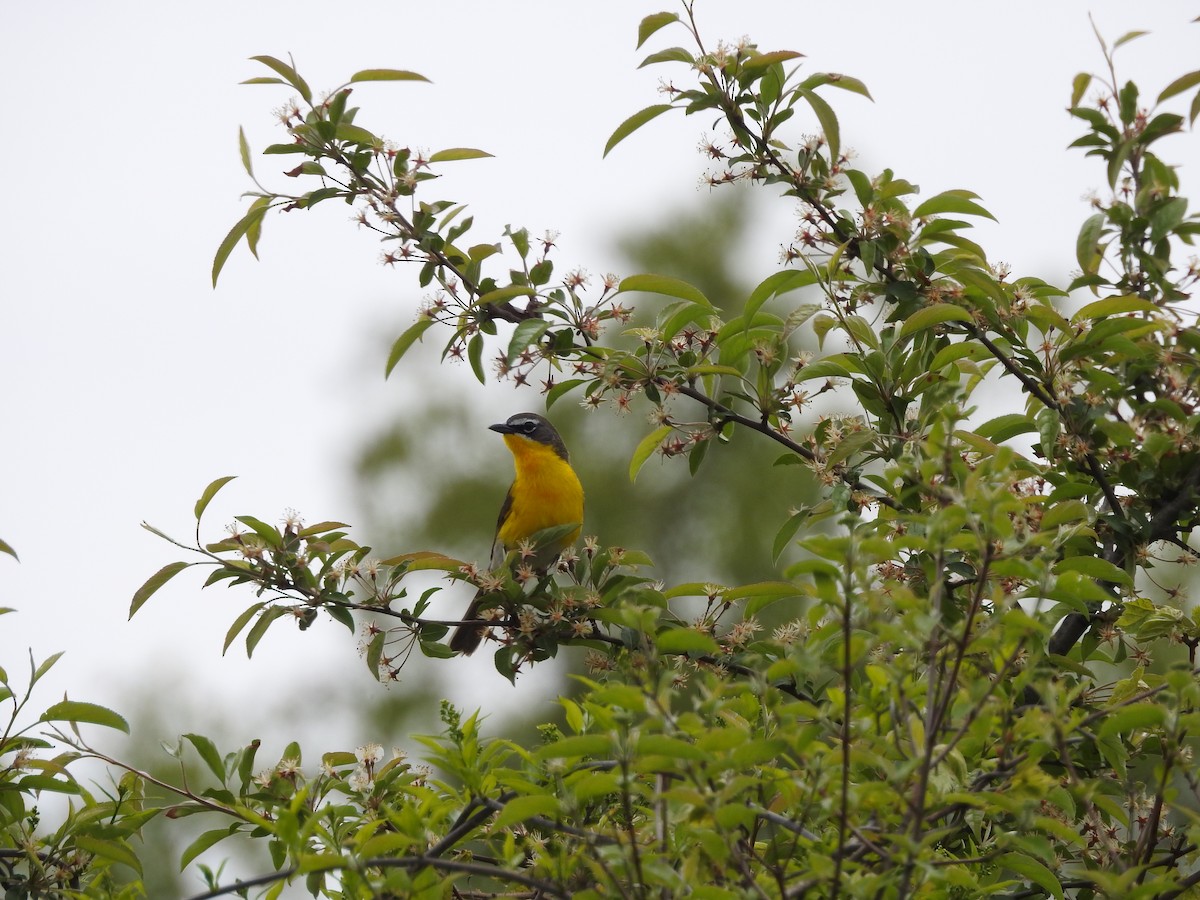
x=498 y=549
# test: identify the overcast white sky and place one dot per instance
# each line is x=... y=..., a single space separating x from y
x=129 y=383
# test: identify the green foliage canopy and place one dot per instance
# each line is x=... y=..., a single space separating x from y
x=971 y=689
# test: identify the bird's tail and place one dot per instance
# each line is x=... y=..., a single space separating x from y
x=467 y=636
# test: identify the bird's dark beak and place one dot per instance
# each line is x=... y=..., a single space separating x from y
x=501 y=427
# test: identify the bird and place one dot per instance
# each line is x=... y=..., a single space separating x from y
x=545 y=493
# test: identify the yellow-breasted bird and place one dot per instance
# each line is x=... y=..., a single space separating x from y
x=544 y=494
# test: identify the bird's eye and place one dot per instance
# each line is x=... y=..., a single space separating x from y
x=527 y=426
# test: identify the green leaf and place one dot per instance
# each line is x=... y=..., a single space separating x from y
x=456 y=153
x=269 y=615
x=1113 y=306
x=521 y=808
x=528 y=332
x=269 y=533
x=1179 y=85
x=1135 y=717
x=115 y=851
x=773 y=285
x=766 y=60
x=76 y=711
x=930 y=316
x=1079 y=87
x=250 y=220
x=386 y=75
x=956 y=201
x=410 y=336
x=1094 y=567
x=786 y=533
x=1166 y=217
x=504 y=294
x=665 y=285
x=563 y=387
x=837 y=80
x=1028 y=867
x=153 y=583
x=653 y=23
x=575 y=747
x=208 y=752
x=829 y=123
x=645 y=449
x=290 y=75
x=475 y=357
x=1002 y=428
x=762 y=594
x=244 y=150
x=239 y=623
x=1063 y=512
x=31 y=783
x=45 y=666
x=671 y=747
x=633 y=123
x=5 y=547
x=686 y=640
x=204 y=842
x=209 y=493
x=671 y=54
x=1087 y=250
x=1127 y=37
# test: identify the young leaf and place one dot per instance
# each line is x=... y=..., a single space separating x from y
x=501 y=295
x=290 y=75
x=269 y=533
x=1127 y=37
x=653 y=23
x=207 y=840
x=1136 y=716
x=931 y=316
x=521 y=808
x=114 y=850
x=956 y=201
x=239 y=623
x=209 y=493
x=527 y=333
x=269 y=615
x=662 y=284
x=208 y=752
x=244 y=224
x=1094 y=567
x=1002 y=428
x=457 y=153
x=410 y=336
x=386 y=75
x=244 y=149
x=1035 y=871
x=75 y=711
x=645 y=448
x=1087 y=251
x=829 y=123
x=685 y=640
x=764 y=60
x=44 y=666
x=153 y=583
x=1179 y=85
x=633 y=123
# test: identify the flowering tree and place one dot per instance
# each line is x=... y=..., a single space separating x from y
x=978 y=678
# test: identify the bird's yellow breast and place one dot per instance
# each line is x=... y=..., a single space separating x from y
x=546 y=492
